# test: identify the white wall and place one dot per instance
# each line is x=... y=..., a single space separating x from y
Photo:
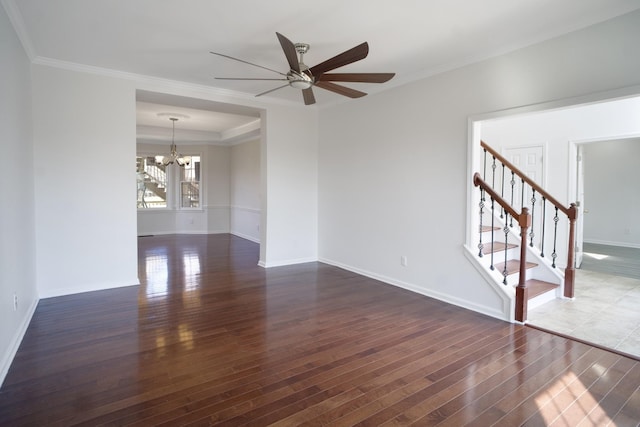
x=213 y=216
x=84 y=146
x=218 y=182
x=612 y=192
x=393 y=167
x=245 y=190
x=17 y=237
x=289 y=169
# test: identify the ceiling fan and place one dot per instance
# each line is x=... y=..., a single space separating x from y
x=300 y=76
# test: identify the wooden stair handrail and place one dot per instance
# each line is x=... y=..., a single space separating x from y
x=571 y=213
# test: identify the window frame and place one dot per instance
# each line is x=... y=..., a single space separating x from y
x=173 y=190
x=179 y=182
x=167 y=187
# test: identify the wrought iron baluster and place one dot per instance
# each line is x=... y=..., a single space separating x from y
x=481 y=205
x=493 y=173
x=493 y=241
x=544 y=216
x=522 y=194
x=533 y=207
x=506 y=240
x=502 y=193
x=513 y=185
x=484 y=174
x=554 y=255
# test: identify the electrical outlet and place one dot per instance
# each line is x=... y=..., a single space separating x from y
x=403 y=261
x=15 y=302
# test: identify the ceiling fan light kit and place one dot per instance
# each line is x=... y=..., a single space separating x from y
x=302 y=77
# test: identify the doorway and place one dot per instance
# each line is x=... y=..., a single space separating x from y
x=609 y=197
x=226 y=140
x=561 y=127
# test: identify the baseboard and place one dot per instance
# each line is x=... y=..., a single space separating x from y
x=199 y=232
x=245 y=236
x=97 y=287
x=469 y=305
x=8 y=357
x=286 y=262
x=610 y=243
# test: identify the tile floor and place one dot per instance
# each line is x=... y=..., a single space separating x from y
x=605 y=311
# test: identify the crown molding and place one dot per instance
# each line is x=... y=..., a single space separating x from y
x=237 y=135
x=242 y=131
x=159 y=83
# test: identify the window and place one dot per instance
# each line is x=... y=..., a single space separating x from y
x=190 y=184
x=152 y=183
x=162 y=187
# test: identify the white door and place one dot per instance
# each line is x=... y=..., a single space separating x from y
x=580 y=203
x=529 y=161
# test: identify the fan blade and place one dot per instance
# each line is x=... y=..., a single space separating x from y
x=290 y=52
x=271 y=90
x=308 y=96
x=247 y=78
x=247 y=62
x=347 y=57
x=342 y=90
x=357 y=77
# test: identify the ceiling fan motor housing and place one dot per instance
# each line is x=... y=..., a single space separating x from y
x=299 y=80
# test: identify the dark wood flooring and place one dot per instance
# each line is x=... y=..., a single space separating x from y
x=211 y=338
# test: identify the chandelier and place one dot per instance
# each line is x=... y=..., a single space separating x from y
x=174 y=156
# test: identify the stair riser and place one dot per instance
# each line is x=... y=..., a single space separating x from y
x=514 y=278
x=542 y=299
x=498 y=257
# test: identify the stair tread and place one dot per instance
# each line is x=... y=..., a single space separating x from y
x=539 y=287
x=489 y=228
x=513 y=266
x=497 y=247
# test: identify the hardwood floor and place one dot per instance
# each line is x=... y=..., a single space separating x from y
x=211 y=338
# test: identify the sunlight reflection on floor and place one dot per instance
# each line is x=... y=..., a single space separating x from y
x=595 y=256
x=567 y=400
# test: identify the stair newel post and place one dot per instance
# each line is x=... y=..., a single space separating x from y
x=521 y=290
x=570 y=271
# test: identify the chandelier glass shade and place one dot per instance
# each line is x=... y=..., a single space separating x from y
x=173 y=156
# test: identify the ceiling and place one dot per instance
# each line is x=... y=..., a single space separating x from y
x=172 y=40
x=199 y=121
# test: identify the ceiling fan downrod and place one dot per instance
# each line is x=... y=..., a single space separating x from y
x=304 y=79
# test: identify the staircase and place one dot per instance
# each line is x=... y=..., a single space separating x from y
x=509 y=248
x=151 y=177
x=502 y=261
